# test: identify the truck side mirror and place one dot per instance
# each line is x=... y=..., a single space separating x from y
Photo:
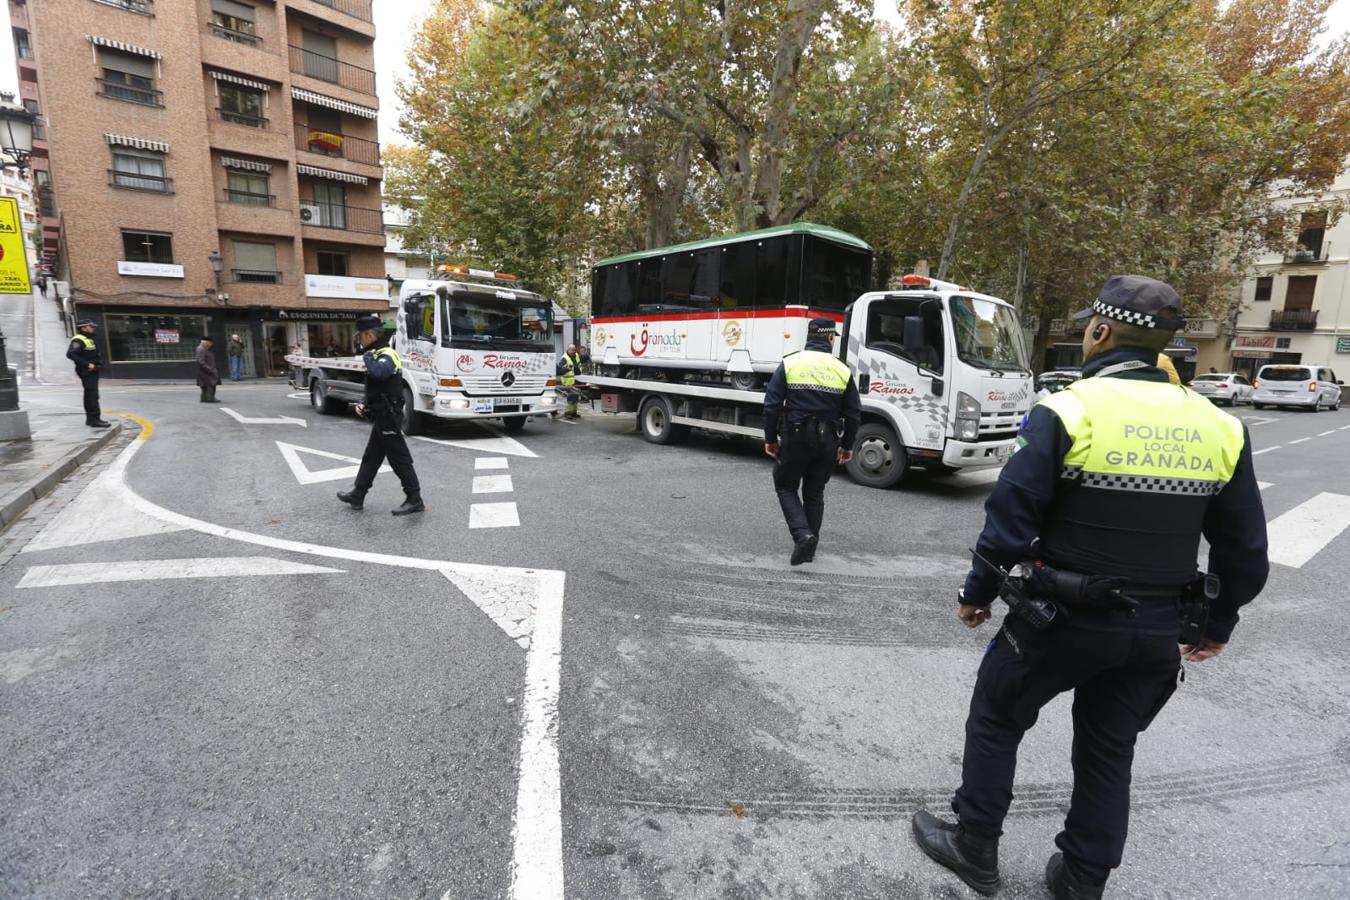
x=938 y=387
x=864 y=383
x=912 y=337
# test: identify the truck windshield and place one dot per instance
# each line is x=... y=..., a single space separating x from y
x=477 y=320
x=988 y=335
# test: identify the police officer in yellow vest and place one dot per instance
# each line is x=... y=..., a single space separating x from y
x=83 y=352
x=811 y=416
x=1113 y=483
x=569 y=367
x=383 y=407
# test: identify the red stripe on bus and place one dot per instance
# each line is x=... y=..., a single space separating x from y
x=791 y=312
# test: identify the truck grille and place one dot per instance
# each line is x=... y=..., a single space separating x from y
x=492 y=384
x=998 y=426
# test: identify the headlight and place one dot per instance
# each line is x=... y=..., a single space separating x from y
x=968 y=429
x=546 y=401
x=967 y=417
x=459 y=404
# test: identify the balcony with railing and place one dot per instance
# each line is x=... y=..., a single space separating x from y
x=239 y=118
x=249 y=198
x=140 y=7
x=357 y=9
x=46 y=203
x=1308 y=256
x=333 y=71
x=118 y=90
x=336 y=145
x=256 y=276
x=1293 y=320
x=135 y=181
x=341 y=217
x=237 y=35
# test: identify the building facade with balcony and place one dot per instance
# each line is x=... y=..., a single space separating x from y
x=1295 y=307
x=207 y=167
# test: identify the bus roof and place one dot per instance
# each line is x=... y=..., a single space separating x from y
x=820 y=231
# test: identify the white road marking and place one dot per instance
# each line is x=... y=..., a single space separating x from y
x=493 y=515
x=498 y=444
x=490 y=462
x=537 y=872
x=98 y=514
x=1262 y=485
x=979 y=476
x=1344 y=428
x=1257 y=420
x=1325 y=433
x=304 y=475
x=163 y=569
x=1300 y=440
x=1302 y=533
x=298 y=395
x=1266 y=450
x=492 y=484
x=279 y=420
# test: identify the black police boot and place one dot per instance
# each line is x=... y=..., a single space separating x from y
x=353 y=498
x=1063 y=886
x=413 y=504
x=974 y=860
x=804 y=550
x=99 y=423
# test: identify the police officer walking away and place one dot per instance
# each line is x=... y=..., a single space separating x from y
x=811 y=416
x=1115 y=480
x=569 y=367
x=383 y=407
x=88 y=363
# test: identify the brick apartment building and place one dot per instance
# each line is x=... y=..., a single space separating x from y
x=182 y=135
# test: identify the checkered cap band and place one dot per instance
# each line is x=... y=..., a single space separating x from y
x=1123 y=315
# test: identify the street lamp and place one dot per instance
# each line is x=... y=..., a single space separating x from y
x=16 y=133
x=216 y=261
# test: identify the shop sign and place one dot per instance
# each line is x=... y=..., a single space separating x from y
x=346 y=288
x=149 y=269
x=166 y=335
x=314 y=315
x=13 y=255
x=1343 y=345
x=1255 y=340
x=1252 y=354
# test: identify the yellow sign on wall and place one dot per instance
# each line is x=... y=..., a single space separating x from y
x=13 y=256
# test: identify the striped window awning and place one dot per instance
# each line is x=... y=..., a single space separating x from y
x=235 y=79
x=125 y=48
x=334 y=103
x=330 y=174
x=122 y=140
x=233 y=162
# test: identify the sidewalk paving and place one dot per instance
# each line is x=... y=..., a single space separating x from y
x=31 y=469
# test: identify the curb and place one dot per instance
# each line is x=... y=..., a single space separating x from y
x=41 y=486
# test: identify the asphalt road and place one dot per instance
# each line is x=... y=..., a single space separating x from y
x=348 y=704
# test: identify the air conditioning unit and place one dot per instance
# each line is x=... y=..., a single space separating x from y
x=309 y=213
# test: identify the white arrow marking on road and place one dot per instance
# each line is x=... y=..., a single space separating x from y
x=279 y=420
x=1257 y=420
x=1302 y=533
x=492 y=484
x=500 y=444
x=537 y=869
x=304 y=475
x=98 y=514
x=1262 y=485
x=161 y=569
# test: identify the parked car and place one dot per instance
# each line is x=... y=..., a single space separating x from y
x=1231 y=388
x=1054 y=381
x=1307 y=387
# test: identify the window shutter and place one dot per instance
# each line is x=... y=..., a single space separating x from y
x=258 y=257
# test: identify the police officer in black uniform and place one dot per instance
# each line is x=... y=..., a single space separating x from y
x=811 y=416
x=383 y=407
x=83 y=352
x=1113 y=483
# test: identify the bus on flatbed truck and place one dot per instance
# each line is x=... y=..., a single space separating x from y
x=474 y=346
x=942 y=372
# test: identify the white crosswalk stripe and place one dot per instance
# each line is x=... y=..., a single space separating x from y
x=1304 y=531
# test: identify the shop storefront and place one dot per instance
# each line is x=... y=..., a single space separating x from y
x=312 y=332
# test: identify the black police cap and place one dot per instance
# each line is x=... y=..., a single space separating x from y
x=1137 y=300
x=86 y=323
x=369 y=323
x=820 y=325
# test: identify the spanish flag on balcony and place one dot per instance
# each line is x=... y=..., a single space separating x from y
x=325 y=141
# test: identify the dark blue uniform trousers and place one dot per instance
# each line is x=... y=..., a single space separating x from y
x=806 y=466
x=387 y=442
x=1122 y=669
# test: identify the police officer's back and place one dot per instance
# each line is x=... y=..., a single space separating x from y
x=84 y=353
x=811 y=416
x=1114 y=482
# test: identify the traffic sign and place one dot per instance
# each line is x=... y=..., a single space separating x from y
x=13 y=258
x=1343 y=345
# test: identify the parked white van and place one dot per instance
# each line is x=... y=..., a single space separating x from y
x=1308 y=387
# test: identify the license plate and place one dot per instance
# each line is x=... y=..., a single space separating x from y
x=1004 y=453
x=509 y=401
x=482 y=406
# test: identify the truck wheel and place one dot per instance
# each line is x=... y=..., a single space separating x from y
x=655 y=420
x=879 y=457
x=514 y=424
x=746 y=381
x=318 y=398
x=412 y=419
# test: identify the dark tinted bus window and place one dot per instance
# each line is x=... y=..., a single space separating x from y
x=612 y=290
x=773 y=287
x=738 y=276
x=833 y=276
x=688 y=281
x=648 y=289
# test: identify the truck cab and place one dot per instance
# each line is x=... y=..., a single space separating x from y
x=943 y=375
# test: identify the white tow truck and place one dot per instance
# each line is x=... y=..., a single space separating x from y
x=942 y=372
x=474 y=346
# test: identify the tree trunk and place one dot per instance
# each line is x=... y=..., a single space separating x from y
x=666 y=200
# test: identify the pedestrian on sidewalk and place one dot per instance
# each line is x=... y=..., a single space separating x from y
x=207 y=376
x=383 y=408
x=811 y=418
x=1108 y=529
x=42 y=286
x=235 y=351
x=83 y=352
